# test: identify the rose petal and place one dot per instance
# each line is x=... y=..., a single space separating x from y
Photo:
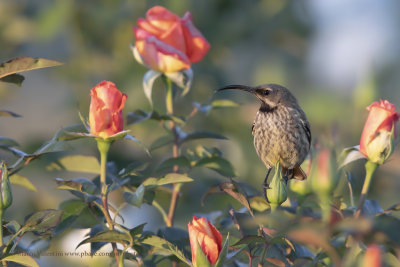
x=196 y=45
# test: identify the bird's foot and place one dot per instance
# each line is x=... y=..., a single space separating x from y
x=265 y=188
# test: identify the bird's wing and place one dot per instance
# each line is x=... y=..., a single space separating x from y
x=306 y=127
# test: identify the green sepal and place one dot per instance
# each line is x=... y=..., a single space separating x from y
x=223 y=253
x=201 y=258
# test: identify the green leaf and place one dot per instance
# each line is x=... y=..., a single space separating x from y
x=7 y=142
x=166 y=247
x=218 y=164
x=16 y=79
x=135 y=199
x=181 y=161
x=43 y=220
x=72 y=207
x=223 y=103
x=250 y=239
x=6 y=113
x=137 y=116
x=259 y=203
x=130 y=137
x=111 y=236
x=22 y=181
x=137 y=230
x=161 y=141
x=171 y=178
x=81 y=184
x=201 y=135
x=77 y=163
x=22 y=259
x=22 y=64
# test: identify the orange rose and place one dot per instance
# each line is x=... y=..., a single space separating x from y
x=105 y=114
x=376 y=138
x=167 y=43
x=207 y=236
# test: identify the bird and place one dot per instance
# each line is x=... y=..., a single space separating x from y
x=280 y=129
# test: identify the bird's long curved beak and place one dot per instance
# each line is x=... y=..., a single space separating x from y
x=238 y=87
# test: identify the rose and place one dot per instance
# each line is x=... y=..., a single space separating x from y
x=105 y=114
x=324 y=175
x=167 y=43
x=204 y=234
x=377 y=139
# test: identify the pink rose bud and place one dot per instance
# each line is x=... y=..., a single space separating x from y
x=105 y=114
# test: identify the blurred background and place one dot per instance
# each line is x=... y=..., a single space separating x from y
x=336 y=56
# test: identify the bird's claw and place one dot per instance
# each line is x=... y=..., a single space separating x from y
x=265 y=188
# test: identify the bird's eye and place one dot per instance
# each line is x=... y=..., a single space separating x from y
x=267 y=92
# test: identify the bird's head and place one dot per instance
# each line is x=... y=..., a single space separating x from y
x=271 y=95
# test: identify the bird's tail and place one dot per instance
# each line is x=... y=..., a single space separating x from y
x=295 y=173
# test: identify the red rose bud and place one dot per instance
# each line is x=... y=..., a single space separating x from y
x=379 y=131
x=105 y=114
x=167 y=43
x=5 y=188
x=372 y=257
x=203 y=233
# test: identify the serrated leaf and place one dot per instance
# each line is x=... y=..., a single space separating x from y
x=148 y=81
x=181 y=161
x=161 y=141
x=201 y=135
x=77 y=163
x=223 y=103
x=136 y=198
x=43 y=220
x=165 y=246
x=16 y=79
x=182 y=79
x=110 y=236
x=22 y=64
x=218 y=164
x=349 y=155
x=171 y=178
x=95 y=246
x=22 y=259
x=7 y=113
x=22 y=181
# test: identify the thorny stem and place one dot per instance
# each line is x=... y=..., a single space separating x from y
x=175 y=153
x=370 y=169
x=103 y=147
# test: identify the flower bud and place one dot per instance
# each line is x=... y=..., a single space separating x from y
x=5 y=188
x=324 y=174
x=277 y=193
x=372 y=257
x=377 y=138
x=202 y=233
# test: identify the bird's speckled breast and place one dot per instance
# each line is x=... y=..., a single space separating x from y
x=279 y=135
